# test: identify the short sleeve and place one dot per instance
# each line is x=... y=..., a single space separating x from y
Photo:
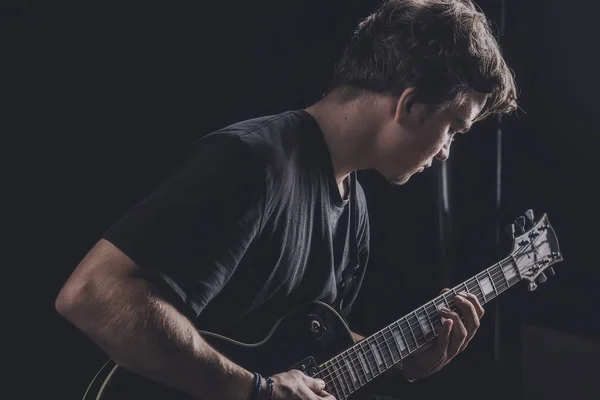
x=190 y=233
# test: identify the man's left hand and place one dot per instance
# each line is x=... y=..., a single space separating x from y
x=453 y=337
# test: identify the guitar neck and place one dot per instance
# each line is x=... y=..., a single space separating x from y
x=350 y=370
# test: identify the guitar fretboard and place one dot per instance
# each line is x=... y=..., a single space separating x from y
x=348 y=371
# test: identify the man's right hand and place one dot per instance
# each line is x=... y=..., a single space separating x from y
x=296 y=385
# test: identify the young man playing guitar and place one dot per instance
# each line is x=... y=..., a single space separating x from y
x=267 y=214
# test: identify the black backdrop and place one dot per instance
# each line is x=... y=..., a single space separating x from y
x=103 y=99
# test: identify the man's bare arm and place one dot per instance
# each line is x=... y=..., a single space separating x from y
x=106 y=298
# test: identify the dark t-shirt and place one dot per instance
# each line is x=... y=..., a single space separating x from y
x=251 y=226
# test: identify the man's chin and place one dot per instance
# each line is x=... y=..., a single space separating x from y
x=399 y=180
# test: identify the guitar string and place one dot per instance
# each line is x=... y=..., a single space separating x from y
x=370 y=354
x=391 y=355
x=387 y=357
x=369 y=357
x=418 y=324
x=478 y=287
x=347 y=382
x=458 y=288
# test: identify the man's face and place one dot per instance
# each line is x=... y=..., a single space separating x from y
x=409 y=143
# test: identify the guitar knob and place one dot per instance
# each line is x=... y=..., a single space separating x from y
x=315 y=326
x=542 y=278
x=532 y=286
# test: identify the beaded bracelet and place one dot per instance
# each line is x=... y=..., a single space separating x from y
x=270 y=385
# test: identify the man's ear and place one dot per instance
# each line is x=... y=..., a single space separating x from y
x=405 y=104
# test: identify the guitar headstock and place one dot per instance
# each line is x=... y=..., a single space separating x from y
x=535 y=248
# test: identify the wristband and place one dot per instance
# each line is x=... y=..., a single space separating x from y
x=256 y=388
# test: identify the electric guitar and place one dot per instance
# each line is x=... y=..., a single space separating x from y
x=316 y=340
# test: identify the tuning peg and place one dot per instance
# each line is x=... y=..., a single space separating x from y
x=532 y=286
x=520 y=221
x=542 y=278
x=510 y=230
x=551 y=271
x=530 y=216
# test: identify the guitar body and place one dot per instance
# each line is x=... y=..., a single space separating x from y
x=302 y=340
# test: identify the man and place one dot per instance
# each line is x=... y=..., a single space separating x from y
x=267 y=214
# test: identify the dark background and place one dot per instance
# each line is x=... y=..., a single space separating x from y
x=104 y=98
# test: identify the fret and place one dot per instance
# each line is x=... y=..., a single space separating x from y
x=409 y=334
x=388 y=347
x=439 y=303
x=340 y=387
x=449 y=303
x=432 y=312
x=502 y=283
x=376 y=354
x=485 y=300
x=333 y=390
x=357 y=365
x=382 y=347
x=395 y=350
x=330 y=382
x=344 y=376
x=413 y=323
x=363 y=362
x=510 y=273
x=369 y=358
x=424 y=323
x=468 y=288
x=343 y=379
x=350 y=365
x=429 y=319
x=504 y=278
x=499 y=279
x=476 y=288
x=492 y=282
x=400 y=340
x=347 y=360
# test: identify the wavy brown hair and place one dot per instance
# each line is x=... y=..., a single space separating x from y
x=442 y=48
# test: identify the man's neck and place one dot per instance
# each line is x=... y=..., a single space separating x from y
x=346 y=129
x=343 y=187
